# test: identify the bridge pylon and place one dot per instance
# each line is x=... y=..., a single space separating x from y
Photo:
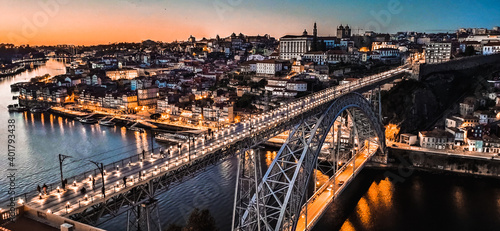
x=276 y=201
x=144 y=217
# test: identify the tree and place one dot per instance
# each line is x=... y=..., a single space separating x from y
x=174 y=227
x=245 y=101
x=200 y=221
x=469 y=51
x=155 y=116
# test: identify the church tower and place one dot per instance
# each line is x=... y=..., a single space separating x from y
x=315 y=30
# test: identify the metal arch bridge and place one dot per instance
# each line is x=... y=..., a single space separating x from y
x=154 y=174
x=275 y=202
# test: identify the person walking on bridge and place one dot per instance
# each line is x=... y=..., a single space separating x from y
x=44 y=188
x=143 y=154
x=124 y=181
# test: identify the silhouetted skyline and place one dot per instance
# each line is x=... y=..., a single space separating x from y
x=97 y=22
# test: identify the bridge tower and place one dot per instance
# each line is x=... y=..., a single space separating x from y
x=144 y=217
x=376 y=100
x=279 y=199
x=247 y=180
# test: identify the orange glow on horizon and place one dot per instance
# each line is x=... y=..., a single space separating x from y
x=93 y=23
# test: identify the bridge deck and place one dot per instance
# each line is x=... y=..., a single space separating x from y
x=332 y=189
x=72 y=201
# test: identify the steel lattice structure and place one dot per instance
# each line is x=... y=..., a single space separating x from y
x=126 y=200
x=281 y=193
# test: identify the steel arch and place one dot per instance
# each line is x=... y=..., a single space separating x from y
x=281 y=193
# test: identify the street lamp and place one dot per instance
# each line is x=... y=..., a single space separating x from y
x=101 y=169
x=152 y=141
x=61 y=159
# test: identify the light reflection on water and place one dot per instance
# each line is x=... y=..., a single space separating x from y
x=424 y=201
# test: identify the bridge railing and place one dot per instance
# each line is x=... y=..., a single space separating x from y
x=77 y=178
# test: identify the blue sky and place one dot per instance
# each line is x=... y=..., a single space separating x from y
x=94 y=21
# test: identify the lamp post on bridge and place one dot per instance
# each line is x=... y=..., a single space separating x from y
x=191 y=138
x=61 y=160
x=101 y=169
x=152 y=140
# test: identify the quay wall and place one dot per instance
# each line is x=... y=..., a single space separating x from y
x=55 y=220
x=458 y=64
x=403 y=162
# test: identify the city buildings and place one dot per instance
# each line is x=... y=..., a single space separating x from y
x=437 y=52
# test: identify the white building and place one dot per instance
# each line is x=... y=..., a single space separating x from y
x=294 y=46
x=122 y=74
x=468 y=106
x=285 y=87
x=269 y=67
x=380 y=45
x=296 y=86
x=331 y=56
x=385 y=53
x=483 y=38
x=223 y=114
x=491 y=48
x=318 y=57
x=276 y=84
x=436 y=139
x=409 y=139
x=438 y=52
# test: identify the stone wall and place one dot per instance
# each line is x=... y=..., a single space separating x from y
x=458 y=64
x=405 y=160
x=55 y=220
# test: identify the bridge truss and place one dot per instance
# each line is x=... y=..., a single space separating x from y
x=274 y=201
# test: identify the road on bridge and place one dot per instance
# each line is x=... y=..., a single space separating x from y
x=327 y=194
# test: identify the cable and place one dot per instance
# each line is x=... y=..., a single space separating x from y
x=86 y=158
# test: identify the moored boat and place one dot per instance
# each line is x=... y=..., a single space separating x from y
x=16 y=108
x=133 y=128
x=107 y=123
x=38 y=109
x=88 y=121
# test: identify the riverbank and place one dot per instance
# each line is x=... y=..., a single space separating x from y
x=123 y=120
x=12 y=71
x=401 y=163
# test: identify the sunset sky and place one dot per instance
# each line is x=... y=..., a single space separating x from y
x=101 y=22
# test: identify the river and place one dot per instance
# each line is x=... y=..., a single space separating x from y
x=423 y=202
